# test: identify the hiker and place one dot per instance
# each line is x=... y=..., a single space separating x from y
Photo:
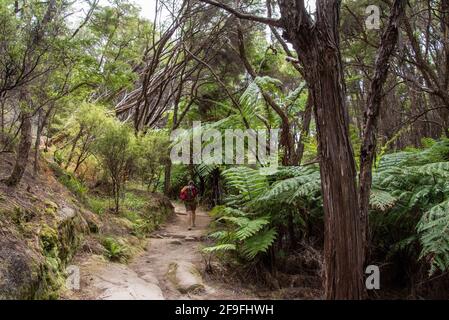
x=188 y=196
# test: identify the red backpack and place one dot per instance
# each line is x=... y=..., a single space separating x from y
x=188 y=193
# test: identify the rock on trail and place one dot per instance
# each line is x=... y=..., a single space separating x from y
x=185 y=277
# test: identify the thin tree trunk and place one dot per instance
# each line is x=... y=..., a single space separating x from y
x=167 y=176
x=40 y=127
x=306 y=119
x=116 y=194
x=369 y=144
x=287 y=140
x=72 y=151
x=2 y=120
x=23 y=151
x=79 y=162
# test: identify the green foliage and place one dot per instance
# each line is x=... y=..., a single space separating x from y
x=305 y=185
x=433 y=230
x=98 y=205
x=409 y=206
x=134 y=202
x=246 y=183
x=382 y=200
x=248 y=236
x=74 y=185
x=115 y=251
x=220 y=248
x=409 y=199
x=115 y=148
x=260 y=243
x=142 y=227
x=151 y=154
x=246 y=227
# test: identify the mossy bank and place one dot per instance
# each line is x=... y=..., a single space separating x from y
x=43 y=225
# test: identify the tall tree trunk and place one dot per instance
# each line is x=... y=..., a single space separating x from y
x=368 y=150
x=22 y=151
x=318 y=49
x=343 y=237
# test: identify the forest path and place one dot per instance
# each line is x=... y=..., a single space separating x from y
x=146 y=277
x=174 y=243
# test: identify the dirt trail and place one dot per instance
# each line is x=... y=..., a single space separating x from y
x=145 y=278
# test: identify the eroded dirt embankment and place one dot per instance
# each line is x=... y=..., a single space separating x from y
x=43 y=226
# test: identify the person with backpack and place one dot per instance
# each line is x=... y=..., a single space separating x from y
x=189 y=196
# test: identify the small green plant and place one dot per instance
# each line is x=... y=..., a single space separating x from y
x=134 y=202
x=74 y=185
x=142 y=227
x=98 y=205
x=115 y=251
x=249 y=236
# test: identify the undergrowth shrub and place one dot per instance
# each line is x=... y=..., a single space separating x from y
x=74 y=185
x=115 y=251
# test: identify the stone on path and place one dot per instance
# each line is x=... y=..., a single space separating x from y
x=176 y=242
x=185 y=277
x=118 y=282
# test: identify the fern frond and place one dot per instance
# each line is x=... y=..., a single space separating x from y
x=251 y=228
x=220 y=247
x=434 y=236
x=435 y=169
x=291 y=190
x=239 y=221
x=219 y=235
x=382 y=200
x=259 y=243
x=249 y=183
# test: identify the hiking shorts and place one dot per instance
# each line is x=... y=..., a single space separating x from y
x=190 y=205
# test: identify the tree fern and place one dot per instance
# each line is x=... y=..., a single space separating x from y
x=382 y=200
x=246 y=234
x=409 y=205
x=248 y=183
x=433 y=230
x=258 y=244
x=251 y=228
